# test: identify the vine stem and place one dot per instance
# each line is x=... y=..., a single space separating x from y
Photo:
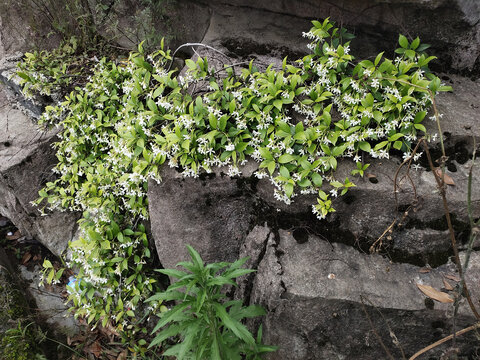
x=196 y=44
x=441 y=186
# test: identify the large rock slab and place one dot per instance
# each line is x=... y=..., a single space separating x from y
x=213 y=215
x=26 y=160
x=317 y=293
x=129 y=22
x=50 y=304
x=451 y=27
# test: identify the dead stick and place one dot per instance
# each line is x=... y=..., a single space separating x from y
x=445 y=339
x=372 y=248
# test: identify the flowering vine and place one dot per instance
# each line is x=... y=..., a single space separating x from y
x=296 y=122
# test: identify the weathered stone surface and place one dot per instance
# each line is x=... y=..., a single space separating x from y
x=460 y=108
x=129 y=22
x=452 y=27
x=50 y=305
x=212 y=215
x=370 y=208
x=314 y=293
x=23 y=26
x=26 y=160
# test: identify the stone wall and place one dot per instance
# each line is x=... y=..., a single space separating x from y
x=327 y=296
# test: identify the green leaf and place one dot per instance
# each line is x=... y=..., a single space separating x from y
x=402 y=40
x=172 y=272
x=317 y=179
x=189 y=339
x=237 y=328
x=220 y=281
x=420 y=127
x=223 y=122
x=278 y=104
x=265 y=153
x=397 y=145
x=170 y=316
x=419 y=117
x=380 y=145
x=415 y=43
x=271 y=166
x=368 y=101
x=365 y=146
x=338 y=150
x=395 y=137
x=288 y=189
x=171 y=331
x=378 y=58
x=50 y=276
x=434 y=84
x=232 y=106
x=151 y=105
x=197 y=260
x=215 y=350
x=410 y=54
x=284 y=172
x=285 y=158
x=238 y=272
x=191 y=64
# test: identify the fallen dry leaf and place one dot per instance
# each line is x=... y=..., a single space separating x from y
x=77 y=339
x=108 y=331
x=94 y=348
x=453 y=277
x=424 y=270
x=447 y=285
x=17 y=234
x=123 y=355
x=446 y=178
x=435 y=294
x=26 y=257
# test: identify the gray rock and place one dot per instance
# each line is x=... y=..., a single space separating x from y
x=212 y=215
x=452 y=27
x=50 y=305
x=129 y=22
x=24 y=25
x=316 y=294
x=26 y=160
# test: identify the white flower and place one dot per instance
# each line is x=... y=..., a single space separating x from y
x=230 y=147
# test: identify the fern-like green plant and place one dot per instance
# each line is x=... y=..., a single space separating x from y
x=207 y=325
